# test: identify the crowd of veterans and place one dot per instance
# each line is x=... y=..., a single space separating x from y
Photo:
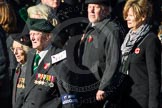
x=80 y=54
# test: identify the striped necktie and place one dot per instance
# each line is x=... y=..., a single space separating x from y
x=36 y=61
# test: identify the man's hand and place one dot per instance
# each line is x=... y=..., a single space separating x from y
x=100 y=95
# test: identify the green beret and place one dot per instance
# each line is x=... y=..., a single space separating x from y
x=40 y=25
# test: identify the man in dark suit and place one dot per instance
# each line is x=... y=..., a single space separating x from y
x=5 y=91
x=100 y=46
x=41 y=88
x=91 y=61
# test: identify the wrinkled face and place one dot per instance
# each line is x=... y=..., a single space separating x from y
x=52 y=3
x=132 y=22
x=38 y=40
x=95 y=13
x=18 y=52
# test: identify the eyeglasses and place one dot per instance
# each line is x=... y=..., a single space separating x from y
x=17 y=49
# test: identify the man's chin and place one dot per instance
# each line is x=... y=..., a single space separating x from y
x=92 y=20
x=33 y=46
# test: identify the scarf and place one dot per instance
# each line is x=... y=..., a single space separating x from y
x=132 y=38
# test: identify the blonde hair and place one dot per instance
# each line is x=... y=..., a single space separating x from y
x=43 y=12
x=8 y=19
x=26 y=48
x=141 y=8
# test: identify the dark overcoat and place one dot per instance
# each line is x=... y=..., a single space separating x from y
x=19 y=73
x=5 y=90
x=37 y=95
x=145 y=65
x=101 y=51
x=90 y=65
x=12 y=59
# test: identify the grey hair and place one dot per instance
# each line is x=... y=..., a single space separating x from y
x=26 y=48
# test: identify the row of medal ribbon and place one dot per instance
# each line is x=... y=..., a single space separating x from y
x=44 y=79
x=21 y=83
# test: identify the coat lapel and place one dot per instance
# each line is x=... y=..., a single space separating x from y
x=41 y=69
x=45 y=64
x=29 y=71
x=101 y=25
x=16 y=76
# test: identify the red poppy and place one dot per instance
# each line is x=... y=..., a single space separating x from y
x=46 y=65
x=90 y=39
x=137 y=51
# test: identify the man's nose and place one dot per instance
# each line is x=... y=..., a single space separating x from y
x=32 y=38
x=92 y=9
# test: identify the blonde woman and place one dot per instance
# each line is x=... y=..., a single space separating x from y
x=20 y=48
x=141 y=52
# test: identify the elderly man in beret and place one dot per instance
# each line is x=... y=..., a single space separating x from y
x=100 y=46
x=41 y=89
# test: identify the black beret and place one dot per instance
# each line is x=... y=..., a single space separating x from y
x=22 y=38
x=40 y=25
x=104 y=2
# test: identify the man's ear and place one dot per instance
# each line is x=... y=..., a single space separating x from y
x=143 y=18
x=105 y=11
x=48 y=36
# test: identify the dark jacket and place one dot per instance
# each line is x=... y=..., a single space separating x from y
x=89 y=66
x=18 y=83
x=37 y=95
x=145 y=71
x=5 y=91
x=12 y=59
x=102 y=54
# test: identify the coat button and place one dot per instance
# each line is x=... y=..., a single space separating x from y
x=40 y=89
x=21 y=93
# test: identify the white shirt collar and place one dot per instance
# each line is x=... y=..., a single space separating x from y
x=43 y=53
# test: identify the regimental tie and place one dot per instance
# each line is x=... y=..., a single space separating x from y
x=36 y=61
x=18 y=69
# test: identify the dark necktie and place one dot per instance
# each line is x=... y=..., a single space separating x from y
x=18 y=68
x=36 y=61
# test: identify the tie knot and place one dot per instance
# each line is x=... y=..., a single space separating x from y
x=36 y=61
x=37 y=57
